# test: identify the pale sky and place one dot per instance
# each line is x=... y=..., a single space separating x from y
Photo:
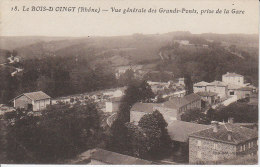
x=31 y=23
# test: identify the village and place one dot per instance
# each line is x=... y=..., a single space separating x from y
x=211 y=143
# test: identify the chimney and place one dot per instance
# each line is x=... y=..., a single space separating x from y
x=231 y=120
x=215 y=126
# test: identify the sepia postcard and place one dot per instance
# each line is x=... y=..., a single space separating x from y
x=129 y=82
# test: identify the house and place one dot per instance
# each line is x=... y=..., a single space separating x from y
x=233 y=89
x=140 y=109
x=221 y=142
x=221 y=88
x=113 y=104
x=179 y=132
x=171 y=110
x=208 y=97
x=35 y=101
x=244 y=92
x=104 y=157
x=233 y=78
x=200 y=87
x=182 y=104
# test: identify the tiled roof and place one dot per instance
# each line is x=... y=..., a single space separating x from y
x=239 y=134
x=37 y=95
x=144 y=107
x=202 y=83
x=180 y=130
x=109 y=157
x=230 y=74
x=206 y=94
x=178 y=102
x=217 y=83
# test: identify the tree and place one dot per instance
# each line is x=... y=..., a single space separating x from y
x=155 y=127
x=240 y=111
x=135 y=92
x=61 y=132
x=138 y=141
x=188 y=84
x=195 y=115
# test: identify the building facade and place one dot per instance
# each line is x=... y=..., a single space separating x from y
x=233 y=78
x=140 y=109
x=200 y=87
x=208 y=97
x=113 y=104
x=34 y=101
x=222 y=142
x=218 y=87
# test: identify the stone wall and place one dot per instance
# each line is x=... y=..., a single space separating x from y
x=209 y=151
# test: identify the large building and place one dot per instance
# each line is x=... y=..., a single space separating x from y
x=221 y=88
x=140 y=109
x=222 y=142
x=182 y=104
x=233 y=78
x=35 y=101
x=171 y=110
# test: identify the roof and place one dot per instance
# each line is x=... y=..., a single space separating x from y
x=202 y=83
x=180 y=130
x=206 y=94
x=230 y=74
x=35 y=95
x=116 y=99
x=110 y=157
x=144 y=107
x=217 y=83
x=178 y=102
x=239 y=134
x=246 y=88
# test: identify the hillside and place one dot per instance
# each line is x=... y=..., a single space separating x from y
x=204 y=57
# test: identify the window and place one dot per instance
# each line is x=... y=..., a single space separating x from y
x=241 y=148
x=252 y=143
x=244 y=147
x=199 y=154
x=199 y=143
x=249 y=145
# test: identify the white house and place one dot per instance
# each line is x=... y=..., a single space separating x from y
x=35 y=101
x=221 y=88
x=233 y=78
x=113 y=104
x=200 y=87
